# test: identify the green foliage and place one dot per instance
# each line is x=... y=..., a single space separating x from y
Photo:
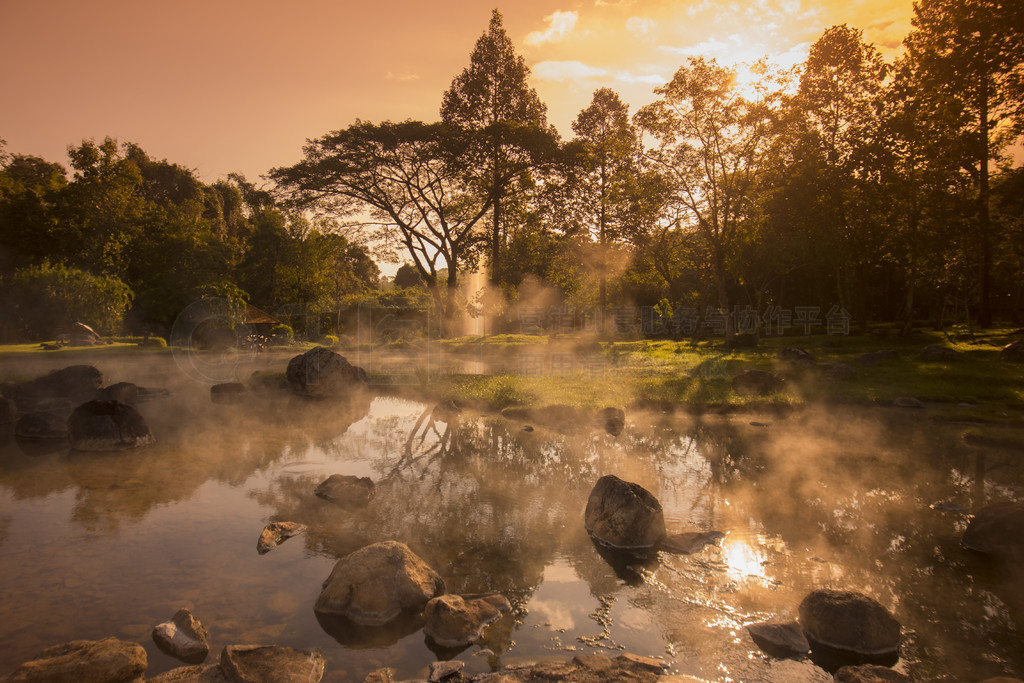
x=282 y=334
x=46 y=300
x=329 y=341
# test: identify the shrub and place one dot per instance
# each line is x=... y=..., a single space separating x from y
x=282 y=334
x=329 y=341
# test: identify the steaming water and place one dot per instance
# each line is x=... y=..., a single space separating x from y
x=99 y=545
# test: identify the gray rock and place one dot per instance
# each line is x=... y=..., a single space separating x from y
x=441 y=671
x=869 y=673
x=183 y=637
x=690 y=542
x=262 y=663
x=346 y=490
x=376 y=584
x=322 y=373
x=849 y=622
x=276 y=533
x=624 y=515
x=453 y=621
x=41 y=426
x=997 y=529
x=782 y=639
x=85 y=661
x=107 y=426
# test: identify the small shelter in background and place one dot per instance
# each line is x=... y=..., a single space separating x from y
x=260 y=321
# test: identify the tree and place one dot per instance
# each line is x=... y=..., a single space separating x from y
x=711 y=142
x=966 y=56
x=42 y=301
x=408 y=176
x=407 y=276
x=602 y=181
x=492 y=97
x=29 y=190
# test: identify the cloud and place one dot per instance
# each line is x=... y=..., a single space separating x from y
x=560 y=25
x=401 y=78
x=567 y=71
x=641 y=28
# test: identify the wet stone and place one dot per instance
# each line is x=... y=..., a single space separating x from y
x=211 y=673
x=85 y=661
x=445 y=671
x=183 y=637
x=849 y=622
x=380 y=676
x=276 y=533
x=997 y=529
x=271 y=663
x=780 y=639
x=870 y=673
x=346 y=490
x=452 y=621
x=107 y=426
x=322 y=373
x=624 y=515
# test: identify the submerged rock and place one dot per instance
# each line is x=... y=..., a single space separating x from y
x=612 y=420
x=453 y=621
x=107 y=426
x=379 y=583
x=690 y=542
x=849 y=623
x=870 y=673
x=346 y=490
x=85 y=661
x=228 y=392
x=271 y=663
x=41 y=426
x=997 y=529
x=183 y=637
x=322 y=373
x=757 y=382
x=276 y=533
x=624 y=515
x=780 y=639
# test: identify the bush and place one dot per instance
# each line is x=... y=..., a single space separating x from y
x=281 y=334
x=43 y=301
x=329 y=341
x=153 y=342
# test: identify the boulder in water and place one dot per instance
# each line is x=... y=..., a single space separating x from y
x=183 y=637
x=997 y=529
x=379 y=583
x=85 y=661
x=271 y=663
x=624 y=515
x=322 y=373
x=780 y=639
x=453 y=621
x=107 y=426
x=41 y=426
x=849 y=622
x=75 y=383
x=276 y=533
x=346 y=490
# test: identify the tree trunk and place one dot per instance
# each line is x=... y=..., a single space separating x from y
x=496 y=217
x=984 y=228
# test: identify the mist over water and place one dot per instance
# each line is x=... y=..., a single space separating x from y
x=95 y=545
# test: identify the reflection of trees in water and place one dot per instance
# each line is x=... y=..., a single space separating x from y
x=196 y=443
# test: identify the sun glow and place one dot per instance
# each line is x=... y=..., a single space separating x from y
x=744 y=560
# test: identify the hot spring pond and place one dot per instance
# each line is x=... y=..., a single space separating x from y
x=94 y=545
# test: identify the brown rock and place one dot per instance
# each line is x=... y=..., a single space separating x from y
x=376 y=584
x=85 y=661
x=322 y=373
x=624 y=515
x=41 y=426
x=869 y=673
x=849 y=622
x=259 y=664
x=107 y=426
x=452 y=621
x=210 y=673
x=276 y=533
x=380 y=676
x=780 y=639
x=183 y=637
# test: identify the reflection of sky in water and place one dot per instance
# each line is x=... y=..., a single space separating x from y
x=127 y=541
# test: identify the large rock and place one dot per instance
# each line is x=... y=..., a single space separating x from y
x=624 y=515
x=322 y=373
x=757 y=382
x=125 y=392
x=1013 y=351
x=849 y=623
x=84 y=661
x=41 y=426
x=997 y=529
x=259 y=663
x=346 y=490
x=75 y=382
x=107 y=426
x=453 y=621
x=376 y=584
x=276 y=533
x=183 y=637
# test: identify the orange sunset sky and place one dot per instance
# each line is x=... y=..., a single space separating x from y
x=231 y=86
